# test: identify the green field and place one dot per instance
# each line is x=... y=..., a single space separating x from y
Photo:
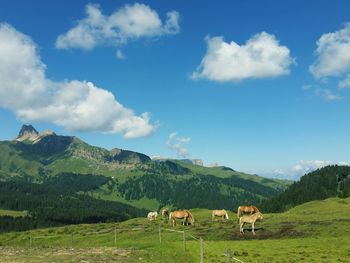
x=317 y=231
x=13 y=213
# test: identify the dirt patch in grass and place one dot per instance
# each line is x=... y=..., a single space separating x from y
x=104 y=254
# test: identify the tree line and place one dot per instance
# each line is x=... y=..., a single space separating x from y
x=57 y=202
x=330 y=181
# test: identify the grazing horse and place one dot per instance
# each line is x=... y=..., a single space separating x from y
x=165 y=213
x=222 y=213
x=152 y=216
x=184 y=214
x=246 y=209
x=251 y=219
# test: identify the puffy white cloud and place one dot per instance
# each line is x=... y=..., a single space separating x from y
x=129 y=22
x=75 y=105
x=178 y=144
x=332 y=54
x=260 y=57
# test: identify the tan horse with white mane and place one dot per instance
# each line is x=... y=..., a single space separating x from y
x=247 y=209
x=184 y=214
x=251 y=219
x=220 y=213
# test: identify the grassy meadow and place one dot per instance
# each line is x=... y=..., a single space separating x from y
x=13 y=213
x=317 y=231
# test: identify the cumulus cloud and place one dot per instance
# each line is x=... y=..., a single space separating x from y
x=332 y=54
x=127 y=23
x=74 y=105
x=260 y=57
x=178 y=144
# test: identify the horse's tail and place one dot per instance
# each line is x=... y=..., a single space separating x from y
x=226 y=214
x=239 y=212
x=256 y=209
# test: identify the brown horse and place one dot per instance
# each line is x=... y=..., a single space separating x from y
x=251 y=219
x=165 y=213
x=246 y=209
x=184 y=214
x=222 y=213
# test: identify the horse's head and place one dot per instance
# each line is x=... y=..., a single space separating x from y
x=260 y=216
x=191 y=217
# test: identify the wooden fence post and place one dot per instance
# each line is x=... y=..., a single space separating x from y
x=30 y=239
x=201 y=250
x=160 y=234
x=184 y=239
x=228 y=256
x=115 y=236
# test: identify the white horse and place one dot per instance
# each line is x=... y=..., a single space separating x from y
x=251 y=219
x=152 y=216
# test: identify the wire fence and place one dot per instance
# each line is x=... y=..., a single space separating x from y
x=203 y=246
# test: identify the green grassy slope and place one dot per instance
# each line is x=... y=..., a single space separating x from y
x=135 y=180
x=226 y=172
x=313 y=232
x=13 y=213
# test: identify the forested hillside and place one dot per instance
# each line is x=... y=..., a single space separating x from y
x=323 y=183
x=63 y=180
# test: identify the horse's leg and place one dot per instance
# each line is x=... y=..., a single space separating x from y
x=253 y=228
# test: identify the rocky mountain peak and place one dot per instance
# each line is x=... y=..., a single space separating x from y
x=27 y=132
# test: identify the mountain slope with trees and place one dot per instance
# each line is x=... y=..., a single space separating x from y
x=61 y=179
x=329 y=181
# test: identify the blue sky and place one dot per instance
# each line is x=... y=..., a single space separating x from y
x=274 y=116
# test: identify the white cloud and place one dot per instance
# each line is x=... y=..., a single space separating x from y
x=332 y=54
x=260 y=57
x=119 y=54
x=307 y=166
x=75 y=105
x=178 y=144
x=345 y=83
x=327 y=95
x=127 y=23
x=303 y=167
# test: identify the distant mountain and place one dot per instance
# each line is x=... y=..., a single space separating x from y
x=35 y=162
x=329 y=181
x=192 y=161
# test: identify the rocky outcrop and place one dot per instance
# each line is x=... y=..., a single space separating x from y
x=30 y=134
x=47 y=144
x=27 y=132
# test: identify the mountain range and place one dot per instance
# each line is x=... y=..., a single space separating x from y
x=67 y=166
